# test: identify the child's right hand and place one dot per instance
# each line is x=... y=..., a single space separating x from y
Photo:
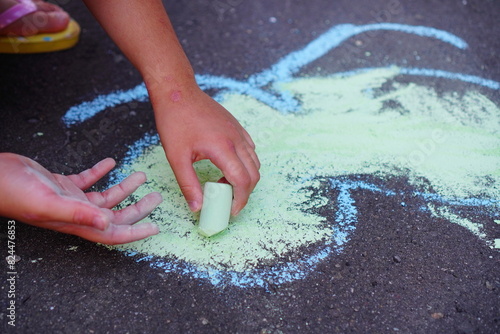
x=194 y=127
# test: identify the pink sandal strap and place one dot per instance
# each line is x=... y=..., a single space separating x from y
x=14 y=13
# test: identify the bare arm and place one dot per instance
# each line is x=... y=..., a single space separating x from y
x=192 y=126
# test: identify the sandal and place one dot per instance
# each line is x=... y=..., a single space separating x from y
x=43 y=42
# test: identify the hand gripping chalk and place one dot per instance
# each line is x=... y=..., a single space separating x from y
x=216 y=209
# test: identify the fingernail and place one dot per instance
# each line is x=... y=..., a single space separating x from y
x=193 y=206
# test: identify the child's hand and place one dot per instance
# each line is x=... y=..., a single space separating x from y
x=32 y=194
x=194 y=127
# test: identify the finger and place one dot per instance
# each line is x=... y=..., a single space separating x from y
x=254 y=157
x=188 y=182
x=124 y=234
x=245 y=156
x=247 y=159
x=114 y=235
x=248 y=138
x=90 y=176
x=250 y=142
x=237 y=175
x=74 y=211
x=140 y=210
x=117 y=193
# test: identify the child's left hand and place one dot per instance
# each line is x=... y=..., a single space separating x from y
x=33 y=195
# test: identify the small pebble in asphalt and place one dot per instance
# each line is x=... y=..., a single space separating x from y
x=437 y=315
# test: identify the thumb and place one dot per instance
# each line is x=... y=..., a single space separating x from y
x=188 y=182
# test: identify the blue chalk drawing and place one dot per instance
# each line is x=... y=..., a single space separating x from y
x=284 y=70
x=261 y=86
x=345 y=222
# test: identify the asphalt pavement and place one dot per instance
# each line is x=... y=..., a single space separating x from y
x=402 y=271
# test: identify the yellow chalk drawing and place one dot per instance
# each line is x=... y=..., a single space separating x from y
x=445 y=212
x=365 y=123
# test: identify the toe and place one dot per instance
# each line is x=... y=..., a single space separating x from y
x=50 y=22
x=47 y=19
x=47 y=7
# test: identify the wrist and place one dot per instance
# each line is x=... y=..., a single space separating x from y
x=172 y=91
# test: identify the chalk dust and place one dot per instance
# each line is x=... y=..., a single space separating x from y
x=347 y=125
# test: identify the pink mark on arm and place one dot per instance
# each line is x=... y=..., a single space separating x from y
x=168 y=78
x=176 y=96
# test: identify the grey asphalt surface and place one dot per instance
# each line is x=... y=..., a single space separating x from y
x=404 y=273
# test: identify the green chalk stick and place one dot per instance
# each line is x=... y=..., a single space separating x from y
x=216 y=209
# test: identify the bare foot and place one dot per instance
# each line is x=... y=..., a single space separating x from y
x=48 y=18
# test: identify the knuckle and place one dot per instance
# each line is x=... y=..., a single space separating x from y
x=256 y=178
x=187 y=190
x=235 y=168
x=245 y=182
x=79 y=217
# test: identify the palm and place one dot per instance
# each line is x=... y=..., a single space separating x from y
x=59 y=202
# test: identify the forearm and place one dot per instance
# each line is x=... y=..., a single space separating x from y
x=192 y=126
x=144 y=33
